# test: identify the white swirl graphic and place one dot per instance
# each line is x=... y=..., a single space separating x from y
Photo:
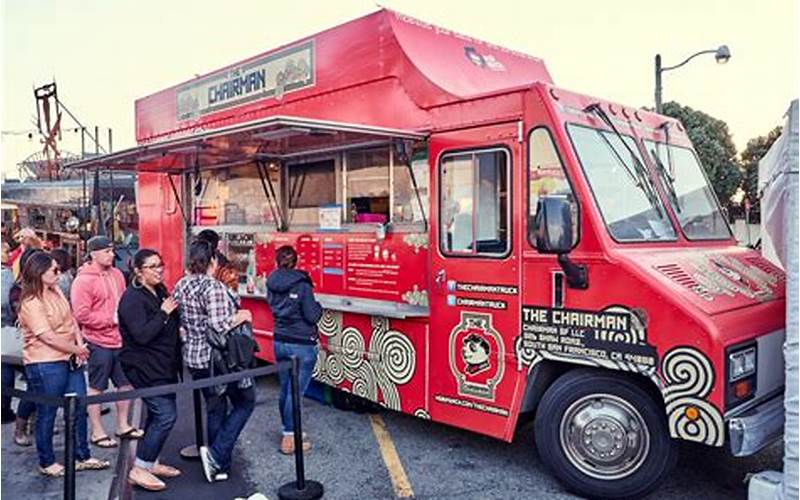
x=397 y=358
x=391 y=398
x=319 y=366
x=380 y=324
x=687 y=372
x=372 y=373
x=352 y=349
x=334 y=368
x=422 y=413
x=637 y=333
x=707 y=428
x=364 y=384
x=330 y=323
x=690 y=378
x=534 y=357
x=525 y=355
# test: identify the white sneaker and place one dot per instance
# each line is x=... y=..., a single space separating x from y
x=208 y=466
x=221 y=476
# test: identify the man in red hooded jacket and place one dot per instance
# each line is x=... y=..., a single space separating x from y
x=95 y=296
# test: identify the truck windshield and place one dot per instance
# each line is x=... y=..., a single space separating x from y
x=693 y=201
x=627 y=200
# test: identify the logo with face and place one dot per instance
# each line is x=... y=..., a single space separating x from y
x=476 y=353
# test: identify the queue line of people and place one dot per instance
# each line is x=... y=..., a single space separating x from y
x=141 y=336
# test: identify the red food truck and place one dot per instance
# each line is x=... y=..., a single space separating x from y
x=488 y=247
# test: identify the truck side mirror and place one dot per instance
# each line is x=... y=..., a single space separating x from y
x=552 y=231
x=552 y=226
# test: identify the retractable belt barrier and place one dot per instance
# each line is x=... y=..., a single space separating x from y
x=298 y=489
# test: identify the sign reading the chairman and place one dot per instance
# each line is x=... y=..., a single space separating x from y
x=614 y=334
x=270 y=76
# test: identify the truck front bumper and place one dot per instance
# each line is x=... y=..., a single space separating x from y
x=756 y=428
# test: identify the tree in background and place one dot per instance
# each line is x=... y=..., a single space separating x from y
x=752 y=154
x=714 y=146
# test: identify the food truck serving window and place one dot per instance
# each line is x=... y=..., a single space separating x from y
x=379 y=188
x=410 y=203
x=622 y=189
x=368 y=186
x=234 y=196
x=689 y=194
x=312 y=184
x=473 y=207
x=547 y=178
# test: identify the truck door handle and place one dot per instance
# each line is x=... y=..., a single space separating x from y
x=440 y=277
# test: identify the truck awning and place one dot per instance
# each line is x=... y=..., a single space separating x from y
x=274 y=138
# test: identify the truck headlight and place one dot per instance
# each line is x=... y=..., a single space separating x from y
x=741 y=364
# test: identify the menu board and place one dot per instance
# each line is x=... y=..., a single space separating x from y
x=357 y=265
x=372 y=267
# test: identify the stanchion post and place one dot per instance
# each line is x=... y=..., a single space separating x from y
x=199 y=435
x=299 y=489
x=299 y=463
x=192 y=452
x=70 y=416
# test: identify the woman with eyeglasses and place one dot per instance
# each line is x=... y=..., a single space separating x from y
x=151 y=356
x=54 y=355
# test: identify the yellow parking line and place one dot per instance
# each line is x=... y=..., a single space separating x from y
x=402 y=487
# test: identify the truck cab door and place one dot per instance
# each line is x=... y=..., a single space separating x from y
x=474 y=298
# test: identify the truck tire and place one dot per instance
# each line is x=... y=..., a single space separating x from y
x=602 y=435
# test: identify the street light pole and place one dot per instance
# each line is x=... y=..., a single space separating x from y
x=659 y=106
x=721 y=54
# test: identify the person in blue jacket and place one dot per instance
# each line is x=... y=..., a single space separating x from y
x=295 y=312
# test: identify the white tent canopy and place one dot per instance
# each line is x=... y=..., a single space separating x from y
x=775 y=189
x=777 y=183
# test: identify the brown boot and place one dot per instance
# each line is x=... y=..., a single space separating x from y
x=287 y=444
x=21 y=436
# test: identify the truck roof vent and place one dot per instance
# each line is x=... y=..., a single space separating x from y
x=765 y=266
x=677 y=274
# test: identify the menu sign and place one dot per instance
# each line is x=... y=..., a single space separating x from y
x=371 y=267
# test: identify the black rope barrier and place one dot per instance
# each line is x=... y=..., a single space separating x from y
x=300 y=489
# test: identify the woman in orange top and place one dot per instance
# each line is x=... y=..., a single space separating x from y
x=54 y=354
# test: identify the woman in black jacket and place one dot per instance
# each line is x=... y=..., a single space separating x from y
x=151 y=355
x=295 y=313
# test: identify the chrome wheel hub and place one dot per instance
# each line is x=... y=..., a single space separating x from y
x=604 y=436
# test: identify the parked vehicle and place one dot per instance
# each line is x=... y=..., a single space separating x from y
x=487 y=245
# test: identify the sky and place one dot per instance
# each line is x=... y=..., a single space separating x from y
x=105 y=54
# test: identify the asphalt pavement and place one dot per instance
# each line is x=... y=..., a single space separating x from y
x=437 y=461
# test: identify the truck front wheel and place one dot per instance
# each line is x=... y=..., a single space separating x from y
x=603 y=436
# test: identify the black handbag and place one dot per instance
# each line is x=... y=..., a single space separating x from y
x=240 y=354
x=236 y=347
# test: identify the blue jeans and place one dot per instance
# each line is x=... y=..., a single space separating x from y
x=224 y=427
x=307 y=358
x=25 y=408
x=161 y=416
x=56 y=379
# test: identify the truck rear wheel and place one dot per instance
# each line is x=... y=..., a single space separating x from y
x=603 y=436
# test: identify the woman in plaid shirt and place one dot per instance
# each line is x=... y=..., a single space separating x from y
x=205 y=304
